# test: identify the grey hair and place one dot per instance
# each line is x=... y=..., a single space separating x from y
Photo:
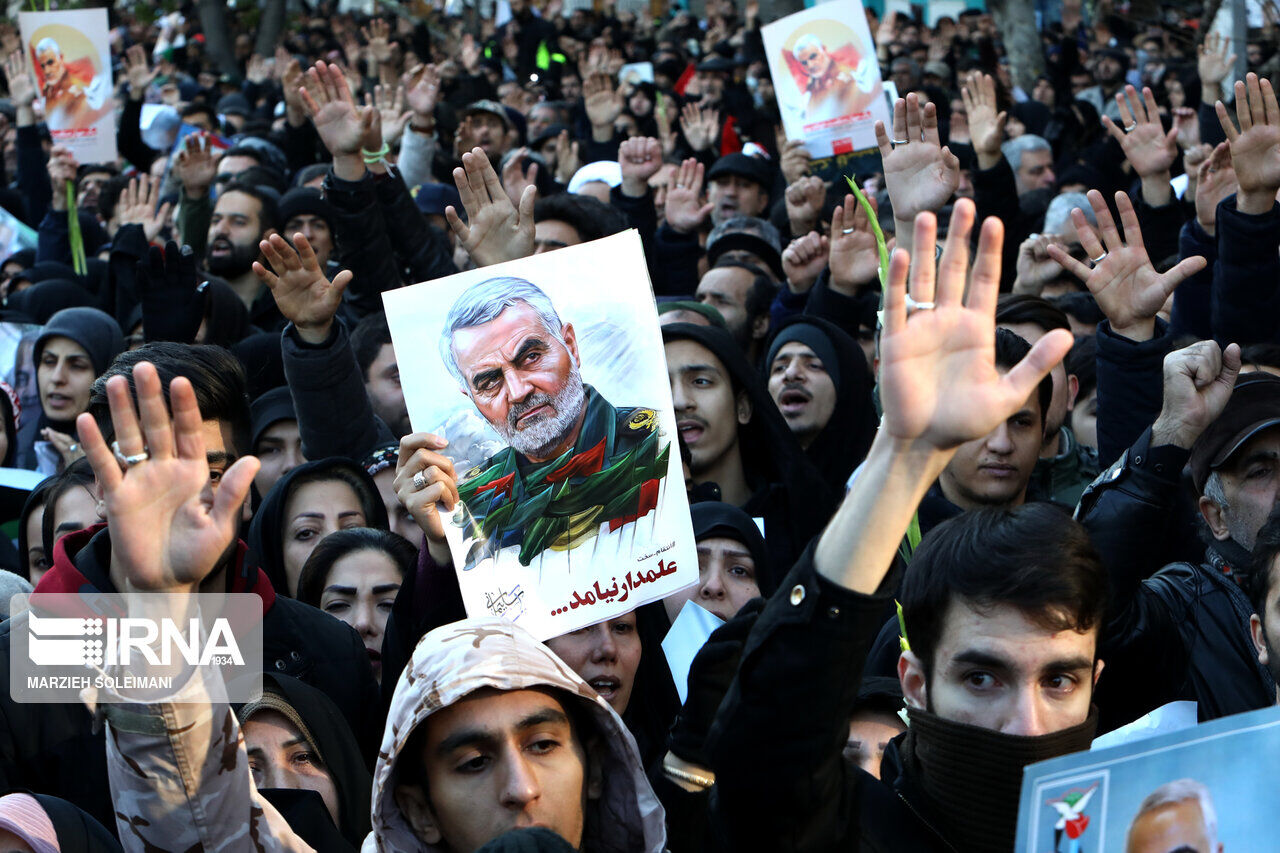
x=48 y=43
x=754 y=225
x=809 y=40
x=484 y=302
x=1179 y=791
x=1059 y=212
x=1213 y=490
x=1016 y=147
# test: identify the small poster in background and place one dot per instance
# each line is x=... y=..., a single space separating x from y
x=15 y=235
x=1208 y=787
x=548 y=378
x=71 y=56
x=827 y=79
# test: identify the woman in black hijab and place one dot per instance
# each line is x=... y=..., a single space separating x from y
x=843 y=442
x=329 y=764
x=787 y=491
x=303 y=507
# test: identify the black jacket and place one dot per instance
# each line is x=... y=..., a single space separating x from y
x=776 y=746
x=1177 y=632
x=1130 y=387
x=53 y=748
x=1246 y=295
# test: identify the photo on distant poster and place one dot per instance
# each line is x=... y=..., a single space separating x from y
x=70 y=55
x=1171 y=792
x=826 y=76
x=550 y=385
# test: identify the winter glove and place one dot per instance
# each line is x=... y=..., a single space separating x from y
x=173 y=302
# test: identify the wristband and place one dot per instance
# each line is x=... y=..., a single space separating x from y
x=371 y=157
x=685 y=776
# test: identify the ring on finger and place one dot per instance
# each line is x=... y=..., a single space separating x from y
x=899 y=141
x=1130 y=126
x=137 y=458
x=848 y=230
x=1098 y=259
x=914 y=305
x=419 y=481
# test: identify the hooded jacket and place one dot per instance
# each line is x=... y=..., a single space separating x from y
x=788 y=491
x=174 y=781
x=54 y=748
x=843 y=443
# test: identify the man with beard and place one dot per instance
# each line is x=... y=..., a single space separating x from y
x=573 y=461
x=243 y=217
x=1109 y=72
x=832 y=90
x=742 y=293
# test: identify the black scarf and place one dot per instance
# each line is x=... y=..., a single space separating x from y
x=970 y=778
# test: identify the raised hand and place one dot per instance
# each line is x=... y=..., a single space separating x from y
x=138 y=71
x=421 y=88
x=257 y=70
x=195 y=167
x=1255 y=147
x=170 y=525
x=1215 y=180
x=173 y=300
x=794 y=160
x=854 y=258
x=804 y=200
x=804 y=259
x=685 y=210
x=62 y=168
x=567 y=160
x=419 y=454
x=1123 y=280
x=378 y=38
x=303 y=294
x=1187 y=122
x=699 y=126
x=495 y=230
x=920 y=174
x=602 y=100
x=938 y=379
x=640 y=158
x=515 y=180
x=389 y=102
x=137 y=206
x=291 y=80
x=1198 y=381
x=986 y=122
x=1035 y=266
x=1214 y=64
x=341 y=125
x=22 y=88
x=1147 y=146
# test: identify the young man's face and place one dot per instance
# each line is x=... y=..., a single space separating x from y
x=494 y=762
x=235 y=229
x=707 y=411
x=994 y=470
x=1064 y=386
x=802 y=389
x=726 y=289
x=1265 y=628
x=997 y=669
x=279 y=449
x=317 y=232
x=385 y=392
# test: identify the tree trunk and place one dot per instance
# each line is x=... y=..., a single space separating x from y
x=270 y=26
x=1017 y=22
x=217 y=35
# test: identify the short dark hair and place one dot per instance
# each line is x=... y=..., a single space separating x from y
x=1011 y=348
x=763 y=289
x=246 y=151
x=215 y=375
x=1261 y=574
x=1035 y=558
x=1082 y=363
x=77 y=475
x=269 y=208
x=1024 y=308
x=590 y=217
x=1261 y=355
x=198 y=107
x=368 y=338
x=263 y=177
x=335 y=546
x=109 y=197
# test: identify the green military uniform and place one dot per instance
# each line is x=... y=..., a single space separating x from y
x=610 y=474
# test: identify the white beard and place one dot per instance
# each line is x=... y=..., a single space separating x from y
x=541 y=436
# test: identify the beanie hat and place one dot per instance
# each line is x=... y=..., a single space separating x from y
x=269 y=408
x=306 y=200
x=96 y=331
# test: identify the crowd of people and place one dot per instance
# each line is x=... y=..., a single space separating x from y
x=959 y=514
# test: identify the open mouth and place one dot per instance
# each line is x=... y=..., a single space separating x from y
x=690 y=430
x=607 y=686
x=57 y=401
x=793 y=400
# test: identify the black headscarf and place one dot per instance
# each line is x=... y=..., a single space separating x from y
x=712 y=519
x=787 y=491
x=35 y=500
x=327 y=731
x=41 y=301
x=847 y=437
x=266 y=532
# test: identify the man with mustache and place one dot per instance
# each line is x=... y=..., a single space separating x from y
x=573 y=462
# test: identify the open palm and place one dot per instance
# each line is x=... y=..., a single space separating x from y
x=341 y=126
x=920 y=175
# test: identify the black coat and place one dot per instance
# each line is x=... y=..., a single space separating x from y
x=53 y=748
x=1180 y=631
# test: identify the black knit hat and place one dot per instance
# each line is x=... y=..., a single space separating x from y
x=272 y=407
x=306 y=200
x=96 y=331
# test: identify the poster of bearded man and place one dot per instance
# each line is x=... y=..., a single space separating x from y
x=827 y=79
x=548 y=379
x=70 y=55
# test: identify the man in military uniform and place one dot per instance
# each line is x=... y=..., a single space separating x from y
x=574 y=461
x=72 y=100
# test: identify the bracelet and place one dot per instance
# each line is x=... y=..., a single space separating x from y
x=685 y=776
x=371 y=157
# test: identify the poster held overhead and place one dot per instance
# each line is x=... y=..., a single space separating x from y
x=70 y=55
x=827 y=78
x=547 y=377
